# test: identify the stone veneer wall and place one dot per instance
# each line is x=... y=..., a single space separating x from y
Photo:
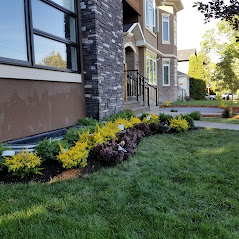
x=167 y=93
x=102 y=43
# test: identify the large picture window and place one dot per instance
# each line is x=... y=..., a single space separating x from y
x=166 y=72
x=41 y=33
x=150 y=14
x=165 y=28
x=151 y=68
x=13 y=36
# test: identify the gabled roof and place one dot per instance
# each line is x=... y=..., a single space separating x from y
x=184 y=55
x=183 y=74
x=136 y=30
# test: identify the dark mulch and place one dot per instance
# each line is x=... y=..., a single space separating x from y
x=53 y=169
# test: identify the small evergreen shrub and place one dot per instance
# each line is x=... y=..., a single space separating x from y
x=72 y=136
x=124 y=114
x=143 y=115
x=195 y=115
x=189 y=119
x=48 y=150
x=227 y=113
x=23 y=163
x=88 y=122
x=165 y=118
x=74 y=157
x=153 y=119
x=223 y=104
x=179 y=124
x=167 y=103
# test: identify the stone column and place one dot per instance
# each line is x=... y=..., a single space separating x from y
x=102 y=43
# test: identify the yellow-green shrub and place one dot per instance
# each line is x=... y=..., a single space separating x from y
x=76 y=156
x=167 y=103
x=153 y=119
x=135 y=120
x=23 y=163
x=179 y=124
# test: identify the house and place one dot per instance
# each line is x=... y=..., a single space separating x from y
x=183 y=85
x=61 y=60
x=150 y=45
x=183 y=59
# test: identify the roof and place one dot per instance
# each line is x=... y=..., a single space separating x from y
x=182 y=74
x=184 y=55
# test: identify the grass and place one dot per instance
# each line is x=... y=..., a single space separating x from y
x=176 y=186
x=221 y=120
x=207 y=102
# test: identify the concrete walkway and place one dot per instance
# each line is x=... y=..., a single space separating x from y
x=213 y=125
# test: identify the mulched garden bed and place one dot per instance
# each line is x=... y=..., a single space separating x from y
x=101 y=156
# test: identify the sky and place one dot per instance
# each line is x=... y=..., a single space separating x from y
x=191 y=26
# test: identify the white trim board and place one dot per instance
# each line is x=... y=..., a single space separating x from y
x=25 y=73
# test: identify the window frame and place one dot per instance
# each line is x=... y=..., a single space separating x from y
x=154 y=61
x=154 y=15
x=175 y=72
x=168 y=21
x=30 y=32
x=163 y=65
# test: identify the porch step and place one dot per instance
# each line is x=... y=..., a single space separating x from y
x=136 y=107
x=129 y=105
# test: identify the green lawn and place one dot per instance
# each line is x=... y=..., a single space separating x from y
x=176 y=186
x=206 y=102
x=221 y=120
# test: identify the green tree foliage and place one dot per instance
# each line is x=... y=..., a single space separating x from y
x=54 y=60
x=218 y=9
x=196 y=68
x=227 y=70
x=222 y=42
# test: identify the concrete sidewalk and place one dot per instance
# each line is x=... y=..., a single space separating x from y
x=213 y=125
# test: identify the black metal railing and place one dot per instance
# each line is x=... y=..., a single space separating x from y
x=138 y=86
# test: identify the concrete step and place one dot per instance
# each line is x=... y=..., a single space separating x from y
x=128 y=105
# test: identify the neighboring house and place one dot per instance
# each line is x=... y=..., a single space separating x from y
x=61 y=60
x=183 y=59
x=150 y=43
x=183 y=85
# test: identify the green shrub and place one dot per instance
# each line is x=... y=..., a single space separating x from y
x=227 y=113
x=48 y=150
x=2 y=160
x=72 y=136
x=179 y=124
x=124 y=114
x=143 y=115
x=189 y=119
x=88 y=122
x=164 y=118
x=197 y=89
x=23 y=163
x=195 y=115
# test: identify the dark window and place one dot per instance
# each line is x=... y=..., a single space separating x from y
x=44 y=30
x=13 y=43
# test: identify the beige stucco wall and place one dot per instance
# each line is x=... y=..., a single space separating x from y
x=30 y=107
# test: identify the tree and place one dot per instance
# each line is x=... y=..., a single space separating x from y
x=227 y=70
x=54 y=60
x=196 y=69
x=222 y=42
x=218 y=9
